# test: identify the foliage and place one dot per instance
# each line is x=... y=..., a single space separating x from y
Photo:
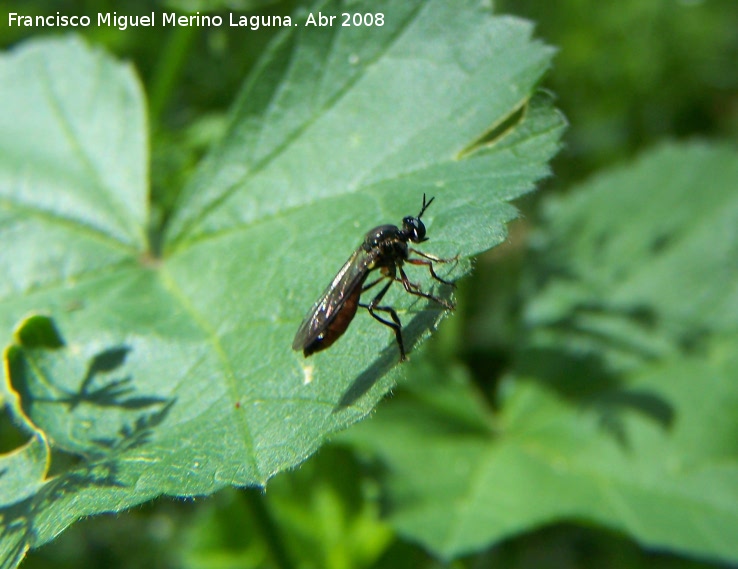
x=164 y=366
x=579 y=398
x=603 y=414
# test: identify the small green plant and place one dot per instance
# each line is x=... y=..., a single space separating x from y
x=171 y=370
x=149 y=305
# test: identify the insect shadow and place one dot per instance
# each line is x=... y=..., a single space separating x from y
x=413 y=331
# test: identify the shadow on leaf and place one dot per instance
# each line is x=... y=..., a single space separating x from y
x=585 y=380
x=411 y=334
x=91 y=429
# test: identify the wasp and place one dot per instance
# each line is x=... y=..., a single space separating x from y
x=385 y=248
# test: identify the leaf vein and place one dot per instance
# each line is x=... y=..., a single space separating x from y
x=171 y=285
x=75 y=142
x=296 y=133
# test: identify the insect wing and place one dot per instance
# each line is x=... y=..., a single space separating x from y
x=351 y=275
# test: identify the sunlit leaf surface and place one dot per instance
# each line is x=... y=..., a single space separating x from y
x=173 y=371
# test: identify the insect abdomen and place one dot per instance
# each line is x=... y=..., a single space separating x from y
x=338 y=325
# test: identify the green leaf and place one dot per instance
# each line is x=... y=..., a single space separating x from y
x=649 y=254
x=22 y=474
x=669 y=484
x=73 y=168
x=607 y=416
x=174 y=374
x=336 y=112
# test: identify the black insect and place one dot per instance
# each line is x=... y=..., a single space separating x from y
x=384 y=248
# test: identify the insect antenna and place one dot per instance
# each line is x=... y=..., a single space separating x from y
x=425 y=205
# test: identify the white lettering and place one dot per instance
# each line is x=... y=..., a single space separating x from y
x=321 y=21
x=59 y=20
x=256 y=22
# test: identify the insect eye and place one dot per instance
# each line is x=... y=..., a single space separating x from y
x=414 y=228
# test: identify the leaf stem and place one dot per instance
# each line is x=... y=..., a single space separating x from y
x=269 y=528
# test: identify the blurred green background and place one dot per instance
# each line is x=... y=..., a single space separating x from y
x=628 y=75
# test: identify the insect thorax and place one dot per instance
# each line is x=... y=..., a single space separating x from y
x=388 y=245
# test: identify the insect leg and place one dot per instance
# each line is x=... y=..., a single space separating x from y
x=414 y=289
x=396 y=325
x=373 y=283
x=434 y=258
x=429 y=264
